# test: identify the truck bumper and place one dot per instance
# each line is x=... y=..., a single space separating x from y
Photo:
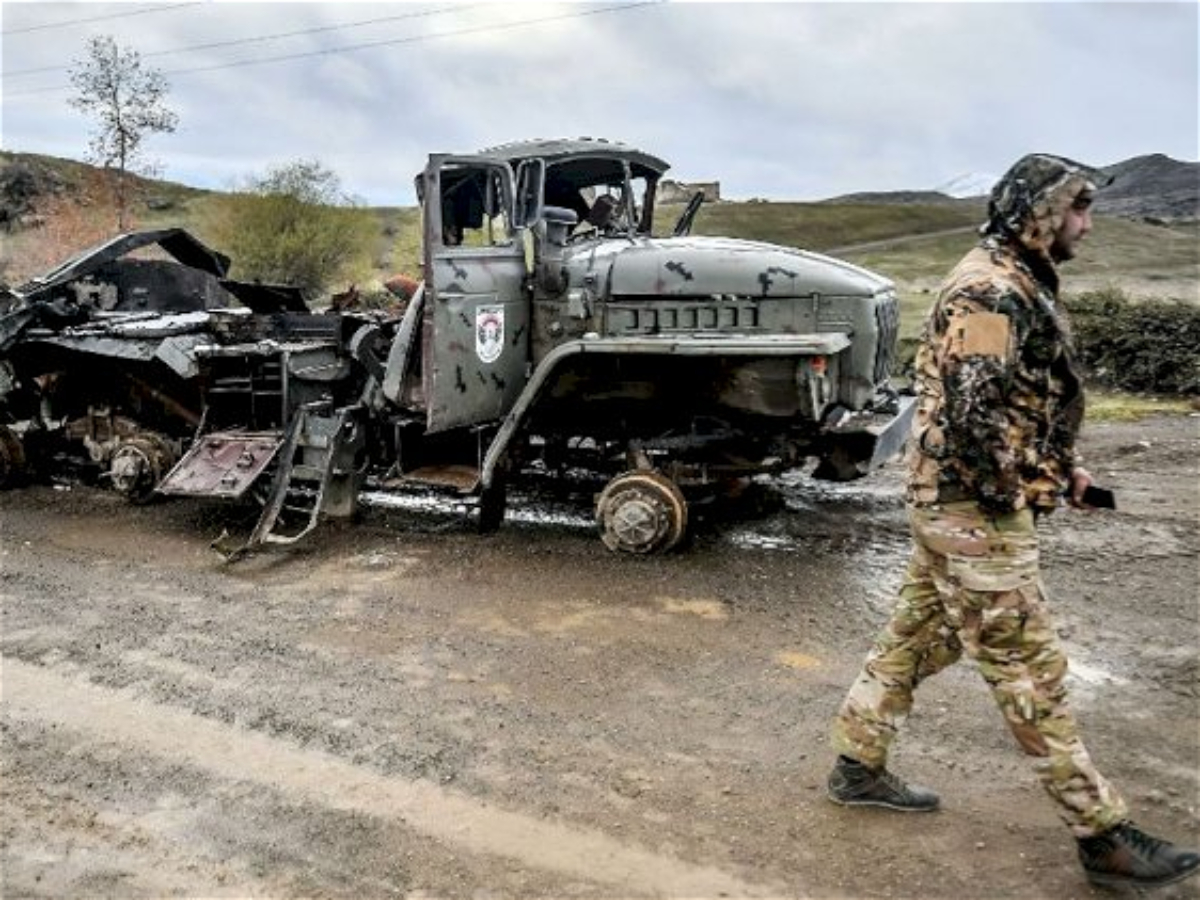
x=872 y=438
x=891 y=435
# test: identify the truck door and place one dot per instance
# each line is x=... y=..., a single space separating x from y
x=475 y=331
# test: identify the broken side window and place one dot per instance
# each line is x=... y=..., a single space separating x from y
x=474 y=208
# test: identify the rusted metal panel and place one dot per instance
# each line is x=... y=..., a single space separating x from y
x=104 y=278
x=222 y=464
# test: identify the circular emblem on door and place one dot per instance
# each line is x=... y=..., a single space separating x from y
x=489 y=333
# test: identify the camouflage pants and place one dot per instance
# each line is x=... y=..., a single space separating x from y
x=973 y=584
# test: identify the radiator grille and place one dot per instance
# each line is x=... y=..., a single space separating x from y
x=657 y=317
x=887 y=320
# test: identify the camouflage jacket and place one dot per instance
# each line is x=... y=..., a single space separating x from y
x=999 y=400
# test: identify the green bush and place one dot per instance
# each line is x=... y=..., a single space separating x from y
x=294 y=226
x=1144 y=346
x=1149 y=346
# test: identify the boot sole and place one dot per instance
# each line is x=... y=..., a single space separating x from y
x=883 y=804
x=1119 y=880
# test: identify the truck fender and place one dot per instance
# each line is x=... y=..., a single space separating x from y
x=400 y=355
x=826 y=344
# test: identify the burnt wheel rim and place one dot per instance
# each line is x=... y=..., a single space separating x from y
x=641 y=512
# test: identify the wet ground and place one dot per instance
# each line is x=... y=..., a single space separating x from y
x=403 y=708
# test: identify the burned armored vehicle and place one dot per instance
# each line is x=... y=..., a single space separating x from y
x=557 y=328
x=98 y=378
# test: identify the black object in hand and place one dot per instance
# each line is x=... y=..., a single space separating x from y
x=1100 y=498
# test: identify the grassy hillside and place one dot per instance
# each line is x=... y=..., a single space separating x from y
x=823 y=226
x=71 y=174
x=914 y=244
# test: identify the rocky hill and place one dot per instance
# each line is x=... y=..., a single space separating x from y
x=902 y=198
x=28 y=179
x=1153 y=187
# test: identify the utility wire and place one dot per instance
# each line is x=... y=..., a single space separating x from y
x=266 y=37
x=121 y=15
x=412 y=39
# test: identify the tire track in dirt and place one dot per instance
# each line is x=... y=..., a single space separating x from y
x=34 y=693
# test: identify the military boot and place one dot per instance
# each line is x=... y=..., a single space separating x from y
x=1127 y=855
x=853 y=784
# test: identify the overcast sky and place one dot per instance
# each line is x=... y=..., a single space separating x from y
x=787 y=101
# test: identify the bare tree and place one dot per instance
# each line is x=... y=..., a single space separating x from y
x=128 y=102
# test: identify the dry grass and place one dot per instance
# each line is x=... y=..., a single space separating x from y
x=1106 y=406
x=1137 y=258
x=823 y=227
x=913 y=244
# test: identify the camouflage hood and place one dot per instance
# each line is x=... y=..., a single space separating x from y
x=1028 y=202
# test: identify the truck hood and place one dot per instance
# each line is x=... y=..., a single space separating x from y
x=691 y=266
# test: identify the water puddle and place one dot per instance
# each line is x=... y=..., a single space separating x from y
x=804 y=514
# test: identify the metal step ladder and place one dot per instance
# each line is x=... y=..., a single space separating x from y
x=315 y=475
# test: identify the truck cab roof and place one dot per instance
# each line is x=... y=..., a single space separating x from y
x=604 y=152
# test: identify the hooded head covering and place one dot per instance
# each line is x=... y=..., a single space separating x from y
x=1028 y=202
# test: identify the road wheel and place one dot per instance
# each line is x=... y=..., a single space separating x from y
x=641 y=512
x=12 y=457
x=139 y=464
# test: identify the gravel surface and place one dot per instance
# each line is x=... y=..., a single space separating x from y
x=403 y=708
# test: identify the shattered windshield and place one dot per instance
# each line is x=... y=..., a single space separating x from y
x=598 y=191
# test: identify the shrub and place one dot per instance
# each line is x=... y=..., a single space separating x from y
x=294 y=226
x=1145 y=346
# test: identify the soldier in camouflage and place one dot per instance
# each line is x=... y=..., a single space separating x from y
x=992 y=449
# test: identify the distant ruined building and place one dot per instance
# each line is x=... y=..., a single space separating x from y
x=670 y=191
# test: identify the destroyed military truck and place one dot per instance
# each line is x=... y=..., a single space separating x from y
x=558 y=327
x=98 y=378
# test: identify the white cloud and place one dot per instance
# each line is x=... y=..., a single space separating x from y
x=783 y=100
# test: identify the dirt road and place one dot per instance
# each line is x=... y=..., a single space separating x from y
x=406 y=709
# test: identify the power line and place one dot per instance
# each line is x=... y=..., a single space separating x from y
x=266 y=37
x=121 y=15
x=412 y=39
